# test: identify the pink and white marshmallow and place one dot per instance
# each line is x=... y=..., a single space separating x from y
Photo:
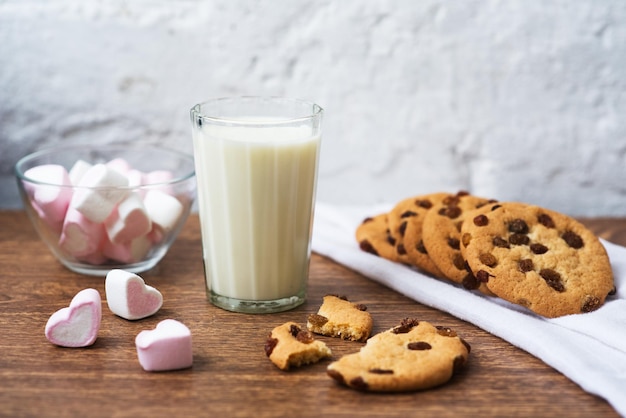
x=80 y=236
x=95 y=259
x=128 y=252
x=101 y=189
x=78 y=324
x=50 y=200
x=160 y=178
x=103 y=218
x=128 y=221
x=120 y=165
x=167 y=347
x=164 y=210
x=129 y=297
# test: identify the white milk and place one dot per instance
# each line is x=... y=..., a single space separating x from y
x=256 y=189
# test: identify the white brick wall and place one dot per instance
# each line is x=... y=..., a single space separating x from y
x=516 y=100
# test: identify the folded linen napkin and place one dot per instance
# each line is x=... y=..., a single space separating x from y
x=590 y=349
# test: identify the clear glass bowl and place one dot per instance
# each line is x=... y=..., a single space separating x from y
x=91 y=219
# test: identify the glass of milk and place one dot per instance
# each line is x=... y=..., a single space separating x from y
x=256 y=164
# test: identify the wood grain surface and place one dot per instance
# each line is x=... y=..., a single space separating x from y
x=231 y=376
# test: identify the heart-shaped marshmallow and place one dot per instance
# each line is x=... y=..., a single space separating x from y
x=128 y=252
x=50 y=196
x=78 y=324
x=167 y=347
x=128 y=295
x=128 y=221
x=80 y=237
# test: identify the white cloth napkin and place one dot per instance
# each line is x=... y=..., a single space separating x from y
x=590 y=349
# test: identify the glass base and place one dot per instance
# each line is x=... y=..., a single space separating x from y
x=104 y=269
x=255 y=306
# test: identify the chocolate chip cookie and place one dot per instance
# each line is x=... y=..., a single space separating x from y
x=442 y=237
x=414 y=355
x=409 y=217
x=541 y=259
x=374 y=237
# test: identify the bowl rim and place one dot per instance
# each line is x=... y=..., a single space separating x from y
x=20 y=172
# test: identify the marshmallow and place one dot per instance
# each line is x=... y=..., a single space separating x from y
x=80 y=237
x=156 y=235
x=127 y=252
x=128 y=295
x=95 y=259
x=135 y=178
x=163 y=209
x=103 y=189
x=120 y=165
x=78 y=170
x=129 y=221
x=52 y=199
x=160 y=178
x=101 y=219
x=78 y=324
x=167 y=347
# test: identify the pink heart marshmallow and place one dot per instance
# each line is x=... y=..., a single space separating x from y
x=80 y=237
x=129 y=221
x=128 y=295
x=50 y=198
x=78 y=324
x=167 y=347
x=128 y=252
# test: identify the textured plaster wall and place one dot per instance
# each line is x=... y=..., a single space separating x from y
x=515 y=100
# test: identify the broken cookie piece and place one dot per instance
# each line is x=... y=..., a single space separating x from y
x=289 y=345
x=338 y=317
x=414 y=355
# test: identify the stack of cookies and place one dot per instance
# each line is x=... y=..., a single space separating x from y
x=531 y=256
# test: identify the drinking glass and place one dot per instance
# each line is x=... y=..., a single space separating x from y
x=256 y=162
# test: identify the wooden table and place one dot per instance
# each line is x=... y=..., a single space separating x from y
x=231 y=375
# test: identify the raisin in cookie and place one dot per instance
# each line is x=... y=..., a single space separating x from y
x=538 y=258
x=408 y=218
x=442 y=238
x=374 y=237
x=288 y=345
x=412 y=356
x=337 y=317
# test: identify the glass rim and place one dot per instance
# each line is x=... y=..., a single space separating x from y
x=20 y=171
x=316 y=111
